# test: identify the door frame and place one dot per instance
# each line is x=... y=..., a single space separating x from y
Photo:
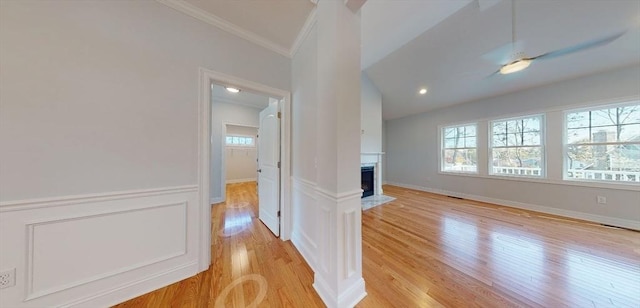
x=206 y=78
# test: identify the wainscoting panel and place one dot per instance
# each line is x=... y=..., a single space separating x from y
x=97 y=250
x=304 y=210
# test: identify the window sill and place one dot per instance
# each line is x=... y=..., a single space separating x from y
x=617 y=186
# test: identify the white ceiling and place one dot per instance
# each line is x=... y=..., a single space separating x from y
x=449 y=46
x=454 y=58
x=249 y=99
x=387 y=25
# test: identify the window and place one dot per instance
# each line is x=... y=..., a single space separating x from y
x=603 y=144
x=517 y=147
x=240 y=141
x=459 y=153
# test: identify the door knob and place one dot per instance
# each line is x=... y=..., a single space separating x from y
x=259 y=170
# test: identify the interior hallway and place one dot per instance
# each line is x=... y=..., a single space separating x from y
x=421 y=250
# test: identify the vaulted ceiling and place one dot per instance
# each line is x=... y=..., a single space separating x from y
x=450 y=47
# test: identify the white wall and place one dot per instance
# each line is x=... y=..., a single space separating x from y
x=303 y=149
x=412 y=150
x=371 y=117
x=240 y=162
x=98 y=125
x=222 y=114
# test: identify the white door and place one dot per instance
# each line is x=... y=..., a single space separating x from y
x=268 y=169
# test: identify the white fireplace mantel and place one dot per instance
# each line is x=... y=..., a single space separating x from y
x=374 y=159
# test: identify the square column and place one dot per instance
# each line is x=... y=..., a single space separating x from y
x=338 y=277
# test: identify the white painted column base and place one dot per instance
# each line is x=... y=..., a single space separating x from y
x=347 y=298
x=338 y=278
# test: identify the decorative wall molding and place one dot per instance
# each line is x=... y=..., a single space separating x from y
x=303 y=238
x=338 y=279
x=31 y=247
x=99 y=249
x=613 y=221
x=29 y=204
x=350 y=241
x=339 y=197
x=225 y=25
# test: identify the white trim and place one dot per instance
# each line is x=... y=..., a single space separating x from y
x=613 y=221
x=32 y=294
x=304 y=32
x=613 y=185
x=204 y=168
x=347 y=298
x=338 y=197
x=565 y=145
x=241 y=180
x=197 y=13
x=442 y=148
x=29 y=204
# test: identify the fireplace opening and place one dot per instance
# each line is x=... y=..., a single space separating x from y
x=367 y=181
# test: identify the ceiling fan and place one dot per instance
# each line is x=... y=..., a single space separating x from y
x=519 y=61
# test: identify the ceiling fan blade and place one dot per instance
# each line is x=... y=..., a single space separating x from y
x=505 y=53
x=580 y=47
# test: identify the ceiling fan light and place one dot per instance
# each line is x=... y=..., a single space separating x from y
x=515 y=66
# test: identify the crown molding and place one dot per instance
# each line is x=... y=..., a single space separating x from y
x=304 y=32
x=186 y=8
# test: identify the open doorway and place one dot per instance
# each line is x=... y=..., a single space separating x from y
x=246 y=147
x=206 y=158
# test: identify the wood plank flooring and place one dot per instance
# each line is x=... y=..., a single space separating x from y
x=421 y=250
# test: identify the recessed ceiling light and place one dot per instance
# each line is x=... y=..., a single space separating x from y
x=423 y=91
x=232 y=89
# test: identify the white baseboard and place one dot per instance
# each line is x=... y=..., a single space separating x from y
x=137 y=288
x=612 y=221
x=241 y=180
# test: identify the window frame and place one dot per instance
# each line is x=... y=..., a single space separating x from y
x=565 y=143
x=441 y=157
x=252 y=145
x=543 y=146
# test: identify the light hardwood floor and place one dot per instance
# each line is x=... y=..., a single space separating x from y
x=422 y=250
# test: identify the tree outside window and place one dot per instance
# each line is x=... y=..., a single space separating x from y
x=603 y=144
x=517 y=147
x=459 y=149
